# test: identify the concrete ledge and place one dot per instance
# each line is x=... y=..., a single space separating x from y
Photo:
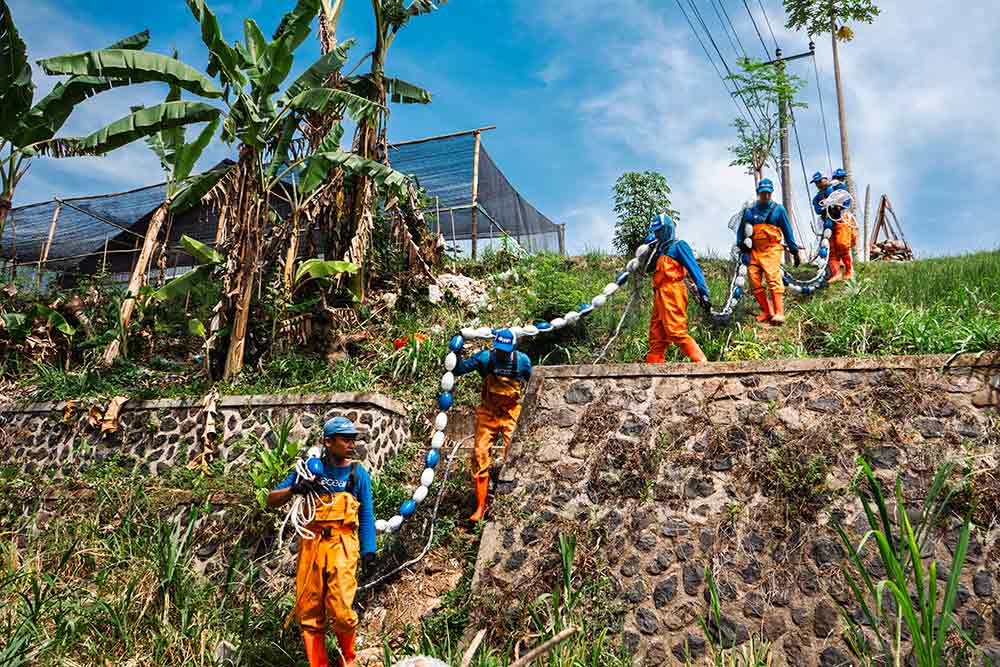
x=272 y=400
x=988 y=360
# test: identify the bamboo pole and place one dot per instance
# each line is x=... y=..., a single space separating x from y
x=443 y=136
x=48 y=244
x=866 y=249
x=135 y=283
x=539 y=651
x=475 y=194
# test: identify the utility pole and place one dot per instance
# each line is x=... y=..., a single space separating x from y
x=786 y=159
x=841 y=111
x=783 y=115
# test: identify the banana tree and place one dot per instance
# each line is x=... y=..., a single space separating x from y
x=370 y=138
x=28 y=128
x=262 y=117
x=178 y=158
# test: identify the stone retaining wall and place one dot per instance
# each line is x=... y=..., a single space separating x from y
x=155 y=435
x=661 y=471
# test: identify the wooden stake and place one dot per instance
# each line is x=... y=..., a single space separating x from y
x=473 y=647
x=48 y=243
x=562 y=239
x=475 y=195
x=544 y=648
x=137 y=280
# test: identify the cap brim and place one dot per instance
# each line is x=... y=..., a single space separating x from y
x=504 y=347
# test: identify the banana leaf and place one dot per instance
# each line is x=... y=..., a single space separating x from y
x=139 y=124
x=318 y=72
x=16 y=89
x=187 y=155
x=296 y=25
x=180 y=286
x=354 y=164
x=406 y=93
x=195 y=189
x=317 y=268
x=222 y=58
x=327 y=100
x=317 y=170
x=136 y=66
x=49 y=115
x=424 y=6
x=203 y=254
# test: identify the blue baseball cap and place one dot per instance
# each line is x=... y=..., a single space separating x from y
x=817 y=177
x=840 y=173
x=339 y=426
x=765 y=185
x=505 y=341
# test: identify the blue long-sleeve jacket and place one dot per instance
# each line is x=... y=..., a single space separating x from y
x=486 y=362
x=682 y=253
x=335 y=479
x=772 y=214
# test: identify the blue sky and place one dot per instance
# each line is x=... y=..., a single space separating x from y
x=582 y=91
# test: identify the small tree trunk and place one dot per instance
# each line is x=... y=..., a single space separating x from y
x=292 y=252
x=841 y=111
x=5 y=205
x=136 y=282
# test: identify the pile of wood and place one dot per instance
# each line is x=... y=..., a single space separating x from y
x=893 y=250
x=888 y=242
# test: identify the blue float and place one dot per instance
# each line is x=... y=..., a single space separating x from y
x=745 y=258
x=738 y=293
x=445 y=400
x=622 y=278
x=828 y=224
x=543 y=326
x=823 y=252
x=785 y=279
x=315 y=466
x=586 y=307
x=432 y=459
x=456 y=343
x=407 y=508
x=807 y=290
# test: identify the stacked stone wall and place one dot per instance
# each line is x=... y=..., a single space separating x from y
x=153 y=436
x=661 y=471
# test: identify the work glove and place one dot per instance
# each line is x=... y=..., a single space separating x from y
x=704 y=299
x=303 y=487
x=797 y=259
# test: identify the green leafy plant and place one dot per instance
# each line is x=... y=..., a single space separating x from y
x=926 y=612
x=755 y=653
x=275 y=457
x=638 y=197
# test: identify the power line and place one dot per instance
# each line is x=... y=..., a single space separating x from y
x=712 y=62
x=822 y=111
x=722 y=3
x=729 y=36
x=802 y=162
x=738 y=92
x=756 y=29
x=768 y=21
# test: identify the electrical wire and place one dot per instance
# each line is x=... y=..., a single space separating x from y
x=712 y=62
x=738 y=92
x=822 y=111
x=729 y=36
x=805 y=177
x=756 y=29
x=722 y=4
x=768 y=21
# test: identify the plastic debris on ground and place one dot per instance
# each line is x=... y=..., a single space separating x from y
x=467 y=291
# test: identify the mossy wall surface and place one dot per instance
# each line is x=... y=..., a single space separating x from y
x=661 y=471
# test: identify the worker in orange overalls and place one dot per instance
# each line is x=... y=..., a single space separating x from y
x=845 y=230
x=668 y=324
x=344 y=528
x=762 y=229
x=505 y=372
